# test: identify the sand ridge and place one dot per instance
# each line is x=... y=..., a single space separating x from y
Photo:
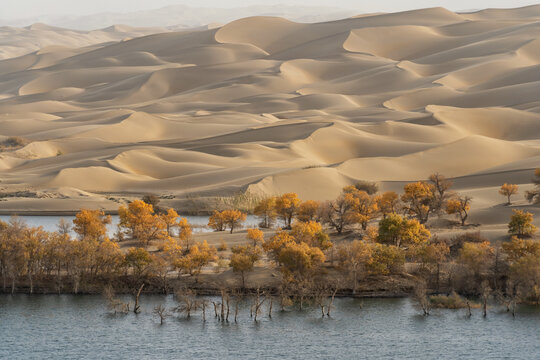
x=271 y=105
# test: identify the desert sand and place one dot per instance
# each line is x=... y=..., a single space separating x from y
x=267 y=105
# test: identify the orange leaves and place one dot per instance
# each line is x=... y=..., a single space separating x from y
x=519 y=248
x=256 y=236
x=199 y=255
x=141 y=222
x=300 y=257
x=508 y=190
x=233 y=218
x=217 y=221
x=243 y=259
x=266 y=211
x=418 y=198
x=311 y=233
x=220 y=220
x=399 y=231
x=460 y=206
x=91 y=224
x=521 y=224
x=308 y=210
x=287 y=206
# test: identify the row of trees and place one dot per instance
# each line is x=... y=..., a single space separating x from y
x=302 y=250
x=360 y=204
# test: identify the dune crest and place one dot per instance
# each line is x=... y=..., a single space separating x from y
x=271 y=105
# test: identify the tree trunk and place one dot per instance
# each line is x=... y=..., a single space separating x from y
x=137 y=308
x=204 y=311
x=329 y=308
x=438 y=276
x=463 y=219
x=355 y=281
x=31 y=282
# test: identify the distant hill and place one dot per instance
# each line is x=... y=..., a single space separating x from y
x=185 y=16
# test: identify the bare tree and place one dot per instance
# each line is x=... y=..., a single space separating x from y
x=421 y=297
x=113 y=303
x=485 y=293
x=64 y=227
x=258 y=301
x=137 y=307
x=161 y=312
x=187 y=300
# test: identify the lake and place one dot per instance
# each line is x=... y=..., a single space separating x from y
x=79 y=327
x=50 y=223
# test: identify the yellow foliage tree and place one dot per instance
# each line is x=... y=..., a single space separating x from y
x=243 y=260
x=459 y=206
x=300 y=258
x=476 y=257
x=170 y=219
x=365 y=207
x=199 y=256
x=418 y=199
x=108 y=258
x=508 y=190
x=256 y=236
x=217 y=221
x=386 y=259
x=311 y=233
x=432 y=256
x=388 y=203
x=91 y=224
x=518 y=248
x=308 y=211
x=277 y=242
x=399 y=231
x=233 y=218
x=139 y=260
x=287 y=207
x=338 y=213
x=141 y=222
x=521 y=224
x=266 y=211
x=354 y=257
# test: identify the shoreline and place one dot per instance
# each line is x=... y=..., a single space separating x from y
x=207 y=285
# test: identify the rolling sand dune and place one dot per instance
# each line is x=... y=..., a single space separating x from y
x=271 y=105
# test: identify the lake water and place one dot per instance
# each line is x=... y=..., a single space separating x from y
x=79 y=327
x=50 y=223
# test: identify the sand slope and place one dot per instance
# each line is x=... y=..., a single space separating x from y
x=272 y=105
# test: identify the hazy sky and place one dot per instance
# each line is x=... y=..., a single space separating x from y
x=13 y=9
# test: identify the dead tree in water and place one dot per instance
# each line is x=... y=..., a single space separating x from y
x=331 y=304
x=113 y=303
x=203 y=304
x=270 y=307
x=323 y=296
x=422 y=300
x=258 y=302
x=188 y=301
x=486 y=292
x=216 y=305
x=238 y=297
x=137 y=308
x=224 y=304
x=161 y=312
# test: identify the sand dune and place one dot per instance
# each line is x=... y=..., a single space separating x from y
x=270 y=105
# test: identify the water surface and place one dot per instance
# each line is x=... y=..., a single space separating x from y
x=50 y=222
x=79 y=327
